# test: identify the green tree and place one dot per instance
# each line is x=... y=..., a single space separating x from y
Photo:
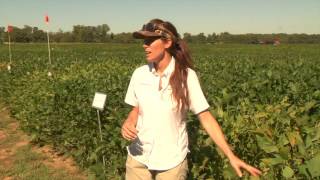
x=187 y=37
x=103 y=32
x=124 y=38
x=38 y=35
x=2 y=33
x=212 y=38
x=201 y=38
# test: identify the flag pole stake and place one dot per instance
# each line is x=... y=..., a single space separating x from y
x=49 y=49
x=10 y=55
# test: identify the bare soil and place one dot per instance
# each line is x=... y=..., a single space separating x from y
x=12 y=138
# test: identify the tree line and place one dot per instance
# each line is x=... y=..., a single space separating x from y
x=102 y=34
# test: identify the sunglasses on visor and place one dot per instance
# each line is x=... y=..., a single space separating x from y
x=149 y=27
x=155 y=28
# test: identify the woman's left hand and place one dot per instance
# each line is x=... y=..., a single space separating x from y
x=238 y=164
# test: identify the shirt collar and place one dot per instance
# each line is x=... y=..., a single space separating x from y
x=167 y=72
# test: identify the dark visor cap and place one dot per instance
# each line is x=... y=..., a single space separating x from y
x=146 y=34
x=150 y=30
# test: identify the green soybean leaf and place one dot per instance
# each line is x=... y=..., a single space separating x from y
x=313 y=166
x=287 y=172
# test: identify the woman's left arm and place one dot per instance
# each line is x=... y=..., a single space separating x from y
x=215 y=132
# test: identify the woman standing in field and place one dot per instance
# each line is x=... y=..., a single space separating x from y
x=161 y=93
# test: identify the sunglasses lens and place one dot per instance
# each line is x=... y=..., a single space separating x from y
x=149 y=41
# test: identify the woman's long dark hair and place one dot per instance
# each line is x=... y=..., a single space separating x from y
x=180 y=51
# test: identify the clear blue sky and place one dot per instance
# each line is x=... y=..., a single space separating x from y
x=234 y=16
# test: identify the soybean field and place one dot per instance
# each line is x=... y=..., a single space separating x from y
x=266 y=98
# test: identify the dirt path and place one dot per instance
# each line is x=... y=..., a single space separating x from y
x=19 y=159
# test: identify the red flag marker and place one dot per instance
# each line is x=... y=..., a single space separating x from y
x=46 y=19
x=10 y=28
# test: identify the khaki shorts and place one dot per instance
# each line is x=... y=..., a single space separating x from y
x=138 y=171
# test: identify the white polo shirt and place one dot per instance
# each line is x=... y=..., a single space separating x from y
x=162 y=141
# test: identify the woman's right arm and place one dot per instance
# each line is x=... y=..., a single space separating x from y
x=128 y=130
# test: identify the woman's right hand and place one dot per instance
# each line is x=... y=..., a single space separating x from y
x=128 y=129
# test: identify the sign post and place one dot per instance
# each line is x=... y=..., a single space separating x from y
x=98 y=103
